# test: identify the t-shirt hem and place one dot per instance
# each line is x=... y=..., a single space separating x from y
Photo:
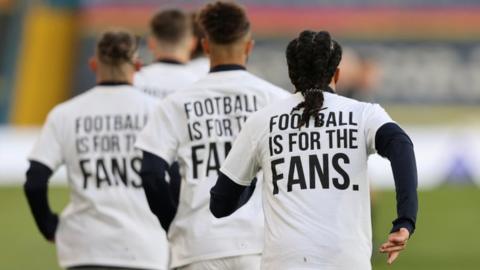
x=235 y=253
x=159 y=154
x=110 y=263
x=233 y=178
x=43 y=161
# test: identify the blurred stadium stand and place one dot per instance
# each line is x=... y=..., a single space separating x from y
x=421 y=53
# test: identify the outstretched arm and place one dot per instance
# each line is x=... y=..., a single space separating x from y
x=157 y=190
x=394 y=144
x=36 y=191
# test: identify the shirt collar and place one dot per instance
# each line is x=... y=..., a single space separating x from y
x=227 y=67
x=113 y=83
x=169 y=61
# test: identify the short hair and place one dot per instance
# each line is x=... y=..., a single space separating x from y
x=224 y=22
x=117 y=47
x=171 y=25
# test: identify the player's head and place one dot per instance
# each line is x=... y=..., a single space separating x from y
x=227 y=31
x=116 y=56
x=198 y=36
x=313 y=59
x=171 y=35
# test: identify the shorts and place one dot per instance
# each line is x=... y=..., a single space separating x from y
x=250 y=262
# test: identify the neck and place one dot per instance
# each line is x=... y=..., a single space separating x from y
x=175 y=56
x=114 y=77
x=216 y=60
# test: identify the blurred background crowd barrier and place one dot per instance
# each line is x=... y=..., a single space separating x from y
x=420 y=59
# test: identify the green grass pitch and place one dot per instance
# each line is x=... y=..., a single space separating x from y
x=447 y=235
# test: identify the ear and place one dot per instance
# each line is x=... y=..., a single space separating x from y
x=93 y=64
x=137 y=64
x=206 y=46
x=336 y=76
x=151 y=43
x=249 y=48
x=193 y=44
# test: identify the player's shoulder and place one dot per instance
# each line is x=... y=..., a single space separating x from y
x=266 y=85
x=93 y=95
x=342 y=101
x=66 y=108
x=365 y=109
x=261 y=117
x=68 y=105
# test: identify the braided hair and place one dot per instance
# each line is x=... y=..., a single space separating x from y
x=312 y=59
x=116 y=48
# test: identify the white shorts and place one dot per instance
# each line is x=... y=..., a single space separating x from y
x=249 y=262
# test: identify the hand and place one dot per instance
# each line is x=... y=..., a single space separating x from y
x=397 y=242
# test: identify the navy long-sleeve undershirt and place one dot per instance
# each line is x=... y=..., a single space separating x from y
x=394 y=144
x=160 y=196
x=36 y=191
x=391 y=142
x=227 y=196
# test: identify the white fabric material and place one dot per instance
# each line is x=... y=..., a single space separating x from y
x=199 y=66
x=107 y=221
x=197 y=126
x=162 y=79
x=315 y=191
x=250 y=262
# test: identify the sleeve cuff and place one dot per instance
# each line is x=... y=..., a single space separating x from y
x=233 y=178
x=159 y=154
x=403 y=223
x=44 y=162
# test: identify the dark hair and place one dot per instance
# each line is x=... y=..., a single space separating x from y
x=224 y=22
x=199 y=35
x=117 y=47
x=170 y=25
x=312 y=59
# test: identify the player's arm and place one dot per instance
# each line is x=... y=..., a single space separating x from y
x=236 y=183
x=394 y=144
x=226 y=196
x=157 y=190
x=45 y=157
x=159 y=141
x=36 y=191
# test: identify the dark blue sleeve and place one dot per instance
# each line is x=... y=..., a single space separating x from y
x=227 y=196
x=36 y=191
x=157 y=190
x=394 y=144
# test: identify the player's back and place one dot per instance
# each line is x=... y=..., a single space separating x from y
x=161 y=79
x=315 y=182
x=205 y=118
x=107 y=221
x=199 y=66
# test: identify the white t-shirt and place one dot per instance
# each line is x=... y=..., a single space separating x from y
x=161 y=79
x=108 y=220
x=199 y=66
x=197 y=127
x=316 y=191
